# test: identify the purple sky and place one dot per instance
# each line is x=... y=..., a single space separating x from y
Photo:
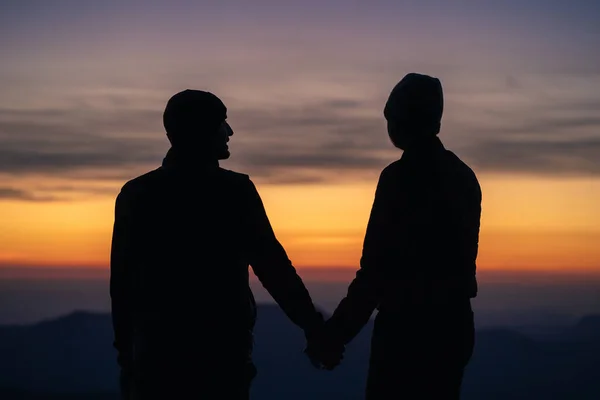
x=84 y=83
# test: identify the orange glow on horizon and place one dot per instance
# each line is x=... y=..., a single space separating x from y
x=527 y=223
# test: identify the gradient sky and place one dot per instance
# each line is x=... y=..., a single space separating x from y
x=84 y=85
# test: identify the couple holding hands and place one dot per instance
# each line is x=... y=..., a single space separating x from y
x=186 y=232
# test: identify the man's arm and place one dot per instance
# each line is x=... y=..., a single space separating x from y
x=275 y=271
x=120 y=278
x=364 y=292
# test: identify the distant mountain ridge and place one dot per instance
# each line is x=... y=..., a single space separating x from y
x=72 y=355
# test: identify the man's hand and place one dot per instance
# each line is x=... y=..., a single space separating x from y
x=323 y=351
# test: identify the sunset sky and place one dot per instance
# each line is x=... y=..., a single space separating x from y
x=84 y=85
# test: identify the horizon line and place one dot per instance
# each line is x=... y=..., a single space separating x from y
x=310 y=273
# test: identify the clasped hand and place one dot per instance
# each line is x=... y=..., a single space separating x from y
x=323 y=350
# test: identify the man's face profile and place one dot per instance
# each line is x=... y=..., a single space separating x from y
x=396 y=123
x=222 y=138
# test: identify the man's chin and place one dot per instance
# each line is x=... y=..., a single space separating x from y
x=224 y=155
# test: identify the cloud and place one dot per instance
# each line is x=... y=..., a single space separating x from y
x=282 y=145
x=71 y=142
x=561 y=158
x=557 y=137
x=553 y=136
x=45 y=193
x=513 y=83
x=9 y=193
x=550 y=127
x=315 y=141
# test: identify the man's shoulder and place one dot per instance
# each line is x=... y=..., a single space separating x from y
x=233 y=176
x=459 y=164
x=154 y=180
x=143 y=181
x=394 y=165
x=393 y=169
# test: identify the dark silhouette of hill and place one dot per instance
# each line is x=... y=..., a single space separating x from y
x=18 y=394
x=71 y=358
x=587 y=329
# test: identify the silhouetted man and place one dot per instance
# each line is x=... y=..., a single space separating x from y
x=418 y=261
x=183 y=238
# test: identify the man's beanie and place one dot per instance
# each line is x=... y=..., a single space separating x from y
x=193 y=109
x=419 y=98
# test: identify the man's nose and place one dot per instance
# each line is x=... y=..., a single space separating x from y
x=228 y=129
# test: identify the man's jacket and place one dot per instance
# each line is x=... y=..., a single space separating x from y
x=421 y=242
x=183 y=238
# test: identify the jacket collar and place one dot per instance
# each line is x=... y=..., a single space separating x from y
x=426 y=148
x=183 y=160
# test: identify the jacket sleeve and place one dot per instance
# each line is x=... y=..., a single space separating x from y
x=120 y=281
x=364 y=292
x=273 y=268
